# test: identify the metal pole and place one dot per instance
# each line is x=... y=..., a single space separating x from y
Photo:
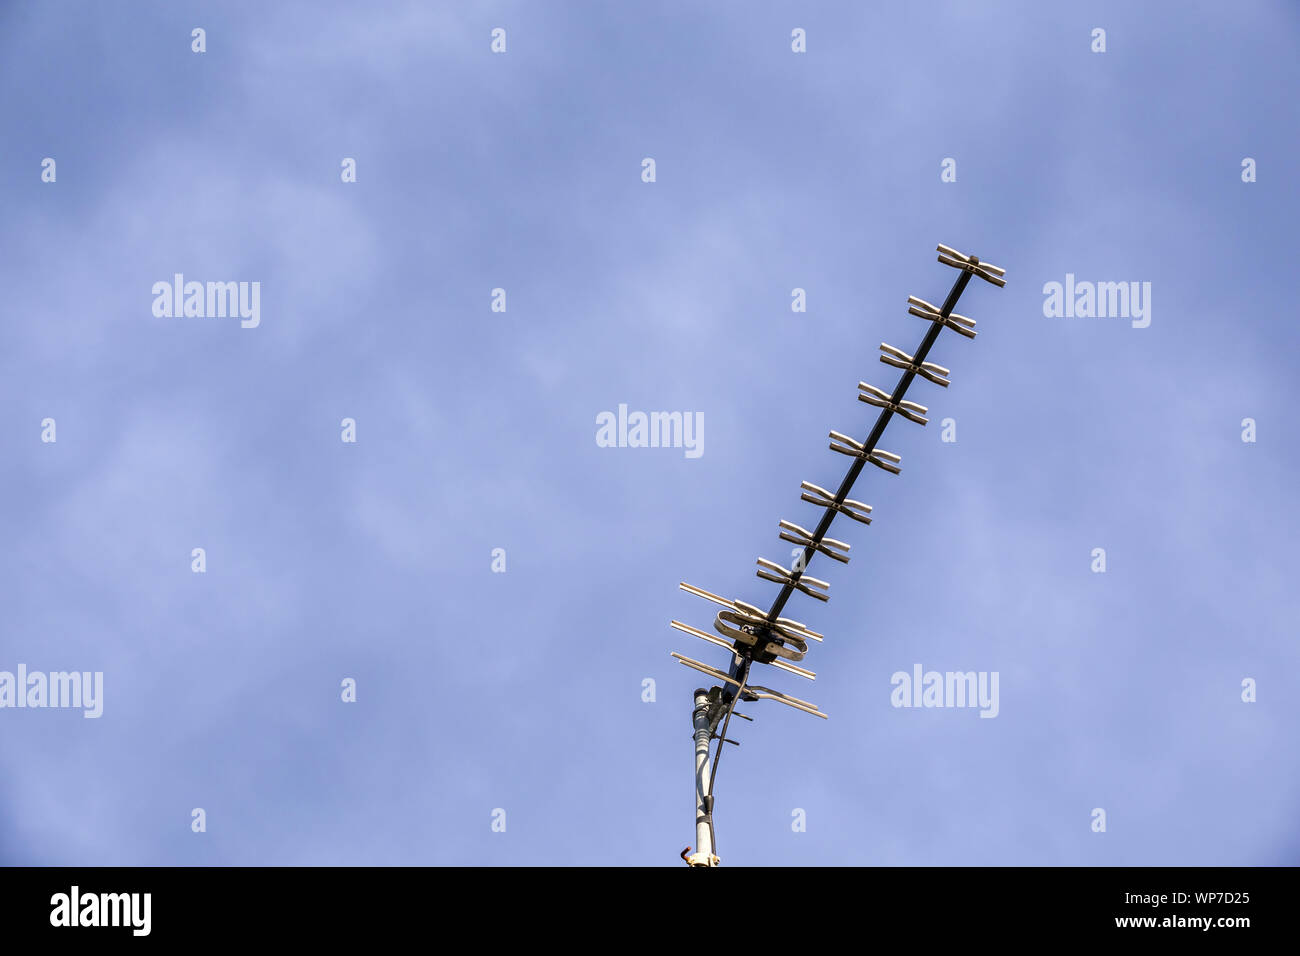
x=703 y=723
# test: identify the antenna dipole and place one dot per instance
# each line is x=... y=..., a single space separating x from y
x=753 y=636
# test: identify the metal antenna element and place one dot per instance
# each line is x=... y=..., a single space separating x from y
x=754 y=637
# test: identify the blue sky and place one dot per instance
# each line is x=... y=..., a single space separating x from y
x=476 y=429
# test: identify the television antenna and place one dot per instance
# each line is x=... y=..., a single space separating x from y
x=753 y=636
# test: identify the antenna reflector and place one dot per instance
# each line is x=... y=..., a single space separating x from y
x=706 y=669
x=766 y=693
x=707 y=595
x=751 y=693
x=704 y=636
x=782 y=665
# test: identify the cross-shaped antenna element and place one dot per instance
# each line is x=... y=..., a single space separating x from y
x=880 y=398
x=856 y=449
x=927 y=370
x=959 y=260
x=813 y=587
x=802 y=536
x=958 y=323
x=822 y=498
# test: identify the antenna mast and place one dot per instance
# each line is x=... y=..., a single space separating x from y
x=752 y=636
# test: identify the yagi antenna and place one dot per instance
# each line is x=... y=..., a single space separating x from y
x=753 y=636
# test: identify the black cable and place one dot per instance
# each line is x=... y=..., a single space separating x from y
x=722 y=739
